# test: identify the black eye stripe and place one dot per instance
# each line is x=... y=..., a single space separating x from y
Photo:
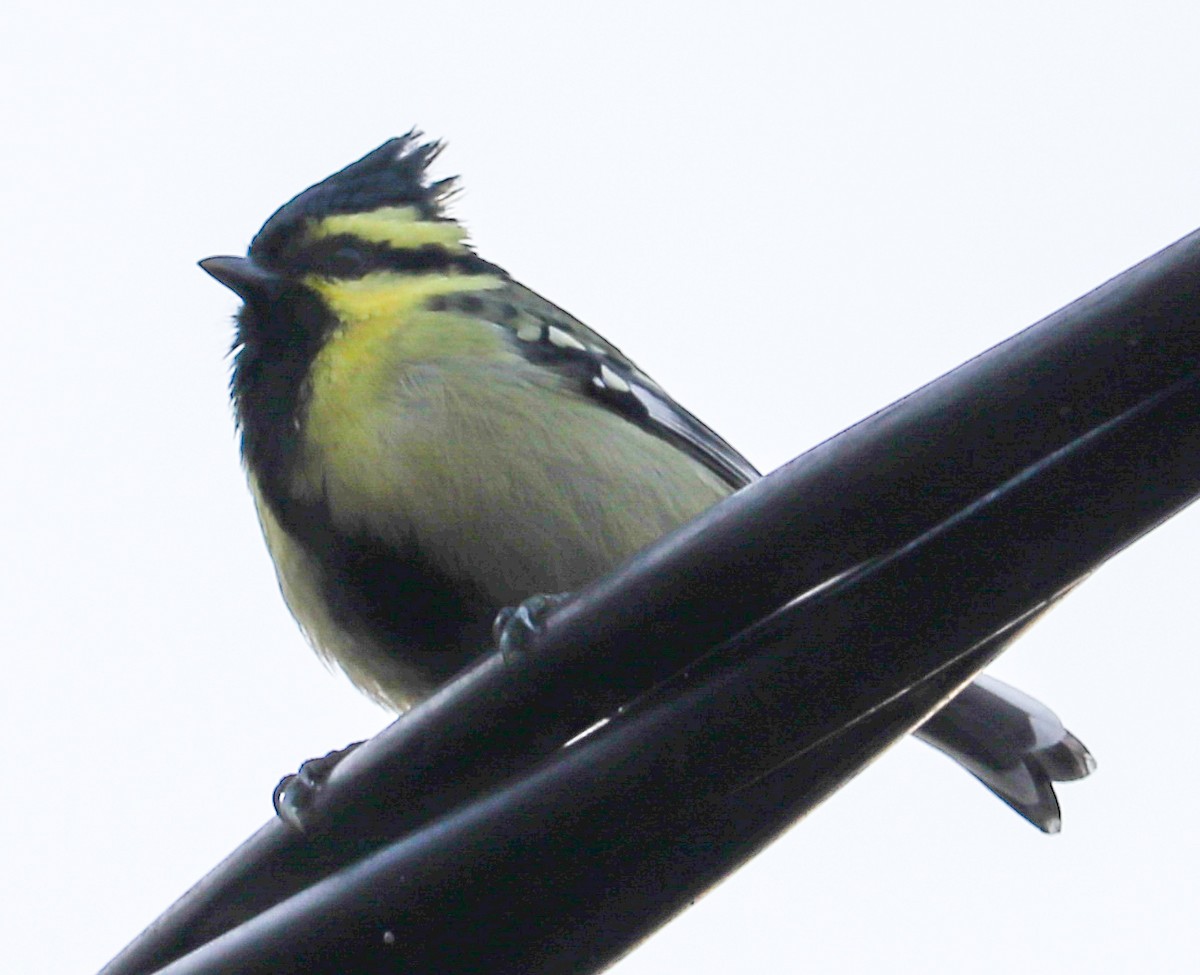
x=346 y=256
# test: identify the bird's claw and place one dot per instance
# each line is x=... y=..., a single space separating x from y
x=515 y=627
x=296 y=794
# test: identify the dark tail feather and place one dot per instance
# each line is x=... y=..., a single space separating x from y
x=1013 y=744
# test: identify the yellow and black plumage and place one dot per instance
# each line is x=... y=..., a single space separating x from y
x=429 y=441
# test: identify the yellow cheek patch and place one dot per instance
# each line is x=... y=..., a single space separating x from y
x=354 y=381
x=399 y=227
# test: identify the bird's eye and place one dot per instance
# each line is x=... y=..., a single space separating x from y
x=347 y=261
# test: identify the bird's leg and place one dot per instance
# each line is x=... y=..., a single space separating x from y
x=513 y=631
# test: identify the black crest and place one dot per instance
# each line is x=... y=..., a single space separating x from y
x=395 y=174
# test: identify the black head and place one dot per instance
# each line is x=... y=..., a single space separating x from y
x=395 y=174
x=282 y=322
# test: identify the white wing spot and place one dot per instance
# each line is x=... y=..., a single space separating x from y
x=529 y=332
x=613 y=381
x=564 y=340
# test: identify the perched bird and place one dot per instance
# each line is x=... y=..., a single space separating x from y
x=428 y=441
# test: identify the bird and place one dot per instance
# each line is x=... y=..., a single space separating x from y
x=428 y=441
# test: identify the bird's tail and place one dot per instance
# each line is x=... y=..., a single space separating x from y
x=1013 y=744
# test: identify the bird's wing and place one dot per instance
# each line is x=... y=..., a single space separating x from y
x=549 y=336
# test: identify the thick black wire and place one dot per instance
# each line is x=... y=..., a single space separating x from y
x=1061 y=396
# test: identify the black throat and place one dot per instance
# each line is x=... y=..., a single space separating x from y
x=275 y=346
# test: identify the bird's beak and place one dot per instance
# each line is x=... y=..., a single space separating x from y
x=243 y=277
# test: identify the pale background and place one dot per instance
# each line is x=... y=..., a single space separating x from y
x=789 y=217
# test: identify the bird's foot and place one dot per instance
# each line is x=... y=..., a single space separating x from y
x=295 y=795
x=515 y=627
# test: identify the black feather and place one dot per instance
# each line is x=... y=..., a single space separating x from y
x=395 y=174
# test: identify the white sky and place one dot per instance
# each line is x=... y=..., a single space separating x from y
x=789 y=217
